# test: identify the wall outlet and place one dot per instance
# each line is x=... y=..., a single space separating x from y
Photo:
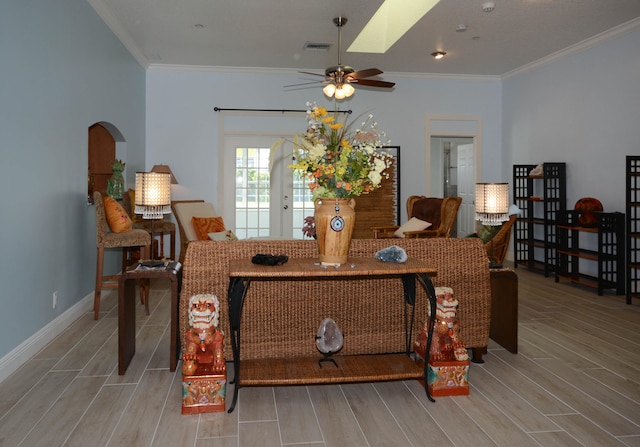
x=55 y=299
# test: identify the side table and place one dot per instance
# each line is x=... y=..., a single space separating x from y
x=127 y=310
x=504 y=308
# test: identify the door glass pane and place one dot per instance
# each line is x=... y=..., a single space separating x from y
x=302 y=205
x=252 y=192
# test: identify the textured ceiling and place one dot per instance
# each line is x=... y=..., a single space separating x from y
x=272 y=33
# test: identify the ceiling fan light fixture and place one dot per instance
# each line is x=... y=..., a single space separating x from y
x=340 y=91
x=438 y=55
x=329 y=90
x=348 y=89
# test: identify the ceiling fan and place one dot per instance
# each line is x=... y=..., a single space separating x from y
x=339 y=78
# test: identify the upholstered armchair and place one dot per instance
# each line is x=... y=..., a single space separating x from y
x=184 y=211
x=439 y=213
x=497 y=246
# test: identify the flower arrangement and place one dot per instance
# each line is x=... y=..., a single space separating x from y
x=338 y=162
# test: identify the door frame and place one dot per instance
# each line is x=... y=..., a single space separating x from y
x=452 y=126
x=277 y=197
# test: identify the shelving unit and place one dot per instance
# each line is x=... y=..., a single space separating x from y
x=633 y=227
x=576 y=249
x=540 y=198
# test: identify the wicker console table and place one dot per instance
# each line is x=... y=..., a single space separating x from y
x=352 y=368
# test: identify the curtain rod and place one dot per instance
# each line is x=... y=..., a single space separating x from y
x=219 y=109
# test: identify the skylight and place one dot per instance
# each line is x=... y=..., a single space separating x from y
x=390 y=22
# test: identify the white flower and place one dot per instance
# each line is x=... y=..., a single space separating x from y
x=317 y=151
x=375 y=177
x=379 y=165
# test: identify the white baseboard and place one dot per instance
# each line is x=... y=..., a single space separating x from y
x=31 y=346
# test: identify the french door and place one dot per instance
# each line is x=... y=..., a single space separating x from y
x=269 y=200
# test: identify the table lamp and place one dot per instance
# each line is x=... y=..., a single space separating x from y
x=165 y=169
x=492 y=206
x=153 y=196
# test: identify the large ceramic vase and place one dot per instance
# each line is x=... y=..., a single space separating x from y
x=334 y=220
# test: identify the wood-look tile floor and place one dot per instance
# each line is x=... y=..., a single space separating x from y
x=575 y=382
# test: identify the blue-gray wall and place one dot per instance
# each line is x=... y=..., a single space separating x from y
x=61 y=70
x=583 y=109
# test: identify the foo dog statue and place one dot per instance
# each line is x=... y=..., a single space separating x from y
x=446 y=344
x=204 y=341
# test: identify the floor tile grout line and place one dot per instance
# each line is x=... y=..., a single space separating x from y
x=393 y=416
x=515 y=392
x=315 y=414
x=426 y=410
x=588 y=396
x=44 y=413
x=344 y=395
x=164 y=405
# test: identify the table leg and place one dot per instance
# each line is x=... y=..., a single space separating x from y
x=126 y=323
x=409 y=287
x=431 y=294
x=176 y=283
x=237 y=293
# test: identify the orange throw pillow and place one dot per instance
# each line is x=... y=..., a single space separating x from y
x=117 y=218
x=206 y=225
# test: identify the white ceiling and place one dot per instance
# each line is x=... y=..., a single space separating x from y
x=272 y=33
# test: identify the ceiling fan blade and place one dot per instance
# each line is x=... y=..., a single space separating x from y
x=367 y=73
x=373 y=83
x=313 y=74
x=304 y=83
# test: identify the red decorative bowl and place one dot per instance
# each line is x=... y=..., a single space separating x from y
x=587 y=206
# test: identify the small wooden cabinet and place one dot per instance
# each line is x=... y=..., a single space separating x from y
x=580 y=247
x=504 y=309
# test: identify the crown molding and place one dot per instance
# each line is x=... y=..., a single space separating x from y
x=119 y=31
x=573 y=49
x=295 y=71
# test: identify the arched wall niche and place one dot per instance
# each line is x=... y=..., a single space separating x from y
x=105 y=144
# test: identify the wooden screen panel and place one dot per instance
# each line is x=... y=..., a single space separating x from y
x=380 y=207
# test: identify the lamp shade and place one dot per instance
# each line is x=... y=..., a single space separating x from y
x=340 y=91
x=153 y=194
x=329 y=90
x=492 y=203
x=165 y=169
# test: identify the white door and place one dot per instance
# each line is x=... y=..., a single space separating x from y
x=466 y=189
x=269 y=201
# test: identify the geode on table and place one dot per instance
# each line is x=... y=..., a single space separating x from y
x=329 y=338
x=392 y=254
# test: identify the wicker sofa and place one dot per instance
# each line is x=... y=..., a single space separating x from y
x=281 y=319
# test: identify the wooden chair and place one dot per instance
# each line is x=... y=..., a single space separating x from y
x=106 y=239
x=498 y=245
x=184 y=210
x=441 y=213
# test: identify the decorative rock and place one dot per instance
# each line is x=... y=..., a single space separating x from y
x=392 y=254
x=329 y=338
